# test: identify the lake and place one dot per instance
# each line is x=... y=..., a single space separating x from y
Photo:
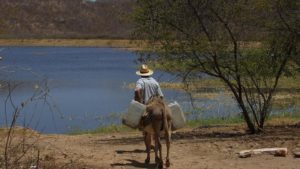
x=88 y=88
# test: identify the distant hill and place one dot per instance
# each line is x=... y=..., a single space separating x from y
x=65 y=18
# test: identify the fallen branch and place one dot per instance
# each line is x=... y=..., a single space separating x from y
x=273 y=151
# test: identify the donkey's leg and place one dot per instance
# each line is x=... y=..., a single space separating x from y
x=158 y=157
x=168 y=143
x=161 y=163
x=158 y=152
x=147 y=139
x=157 y=149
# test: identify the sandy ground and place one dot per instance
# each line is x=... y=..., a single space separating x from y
x=200 y=148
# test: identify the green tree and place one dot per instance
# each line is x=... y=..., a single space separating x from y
x=248 y=44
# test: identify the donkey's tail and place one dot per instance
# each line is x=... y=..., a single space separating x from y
x=165 y=119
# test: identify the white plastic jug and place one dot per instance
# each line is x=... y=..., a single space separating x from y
x=178 y=118
x=134 y=114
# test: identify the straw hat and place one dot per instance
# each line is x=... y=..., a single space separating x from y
x=144 y=71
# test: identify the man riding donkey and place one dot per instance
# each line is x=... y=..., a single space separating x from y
x=157 y=117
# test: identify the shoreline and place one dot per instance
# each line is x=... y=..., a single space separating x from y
x=132 y=45
x=275 y=120
x=201 y=147
x=127 y=44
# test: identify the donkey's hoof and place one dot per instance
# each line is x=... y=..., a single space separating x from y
x=168 y=163
x=147 y=160
x=157 y=160
x=159 y=166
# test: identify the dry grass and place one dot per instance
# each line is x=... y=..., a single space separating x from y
x=114 y=43
x=203 y=83
x=208 y=88
x=283 y=121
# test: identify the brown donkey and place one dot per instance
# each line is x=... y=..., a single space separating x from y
x=155 y=121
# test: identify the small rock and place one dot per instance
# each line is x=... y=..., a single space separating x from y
x=230 y=147
x=296 y=152
x=33 y=167
x=244 y=155
x=48 y=158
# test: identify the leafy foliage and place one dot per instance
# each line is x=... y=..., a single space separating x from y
x=248 y=44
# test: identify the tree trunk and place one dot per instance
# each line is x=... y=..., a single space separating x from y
x=246 y=116
x=262 y=120
x=250 y=124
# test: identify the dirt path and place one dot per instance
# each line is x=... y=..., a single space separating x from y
x=201 y=148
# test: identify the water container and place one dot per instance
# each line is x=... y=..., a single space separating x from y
x=134 y=114
x=178 y=118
